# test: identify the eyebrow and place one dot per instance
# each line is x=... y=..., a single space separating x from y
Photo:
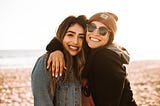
x=71 y=31
x=75 y=32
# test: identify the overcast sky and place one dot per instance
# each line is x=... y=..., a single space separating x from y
x=31 y=24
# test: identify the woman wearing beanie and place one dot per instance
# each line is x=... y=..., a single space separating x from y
x=104 y=74
x=105 y=70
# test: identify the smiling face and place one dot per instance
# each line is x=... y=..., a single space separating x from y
x=94 y=39
x=73 y=39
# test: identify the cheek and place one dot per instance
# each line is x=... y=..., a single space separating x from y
x=64 y=44
x=65 y=40
x=81 y=43
x=106 y=39
x=87 y=38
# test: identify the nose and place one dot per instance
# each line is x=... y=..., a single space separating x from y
x=95 y=31
x=75 y=40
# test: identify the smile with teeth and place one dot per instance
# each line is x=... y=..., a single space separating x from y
x=94 y=39
x=73 y=47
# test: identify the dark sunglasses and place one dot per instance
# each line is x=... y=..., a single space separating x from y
x=101 y=30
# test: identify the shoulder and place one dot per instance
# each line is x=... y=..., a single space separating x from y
x=41 y=59
x=40 y=63
x=104 y=53
x=105 y=56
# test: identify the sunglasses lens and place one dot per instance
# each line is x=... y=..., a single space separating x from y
x=102 y=31
x=91 y=27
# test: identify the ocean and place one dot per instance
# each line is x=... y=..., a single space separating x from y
x=19 y=58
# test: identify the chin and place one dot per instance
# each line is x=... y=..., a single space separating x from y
x=92 y=46
x=73 y=54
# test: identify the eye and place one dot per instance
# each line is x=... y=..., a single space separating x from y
x=91 y=27
x=81 y=36
x=103 y=30
x=69 y=34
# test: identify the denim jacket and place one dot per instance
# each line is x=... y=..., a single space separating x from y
x=66 y=94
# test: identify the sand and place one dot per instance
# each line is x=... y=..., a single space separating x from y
x=15 y=87
x=15 y=84
x=145 y=82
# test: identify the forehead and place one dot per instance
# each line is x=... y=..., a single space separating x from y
x=97 y=23
x=76 y=28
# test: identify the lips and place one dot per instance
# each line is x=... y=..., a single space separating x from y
x=73 y=47
x=94 y=39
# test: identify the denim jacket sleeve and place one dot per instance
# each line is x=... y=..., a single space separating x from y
x=40 y=81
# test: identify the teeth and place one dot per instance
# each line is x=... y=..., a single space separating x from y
x=94 y=39
x=73 y=47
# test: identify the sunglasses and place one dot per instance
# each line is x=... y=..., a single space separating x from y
x=101 y=30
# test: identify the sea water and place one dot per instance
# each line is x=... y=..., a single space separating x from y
x=19 y=58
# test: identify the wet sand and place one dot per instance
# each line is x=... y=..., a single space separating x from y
x=15 y=84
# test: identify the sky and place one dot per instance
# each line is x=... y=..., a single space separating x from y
x=31 y=24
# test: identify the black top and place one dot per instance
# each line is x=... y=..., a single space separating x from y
x=107 y=78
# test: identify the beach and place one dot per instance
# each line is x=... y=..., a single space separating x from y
x=15 y=87
x=145 y=82
x=15 y=84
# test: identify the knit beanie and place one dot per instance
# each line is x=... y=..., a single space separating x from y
x=108 y=19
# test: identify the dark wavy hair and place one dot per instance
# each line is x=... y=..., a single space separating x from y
x=74 y=64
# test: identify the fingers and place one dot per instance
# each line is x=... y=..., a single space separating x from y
x=64 y=65
x=58 y=63
x=48 y=62
x=61 y=67
x=53 y=70
x=56 y=67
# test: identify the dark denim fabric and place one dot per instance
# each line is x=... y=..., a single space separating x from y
x=68 y=94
